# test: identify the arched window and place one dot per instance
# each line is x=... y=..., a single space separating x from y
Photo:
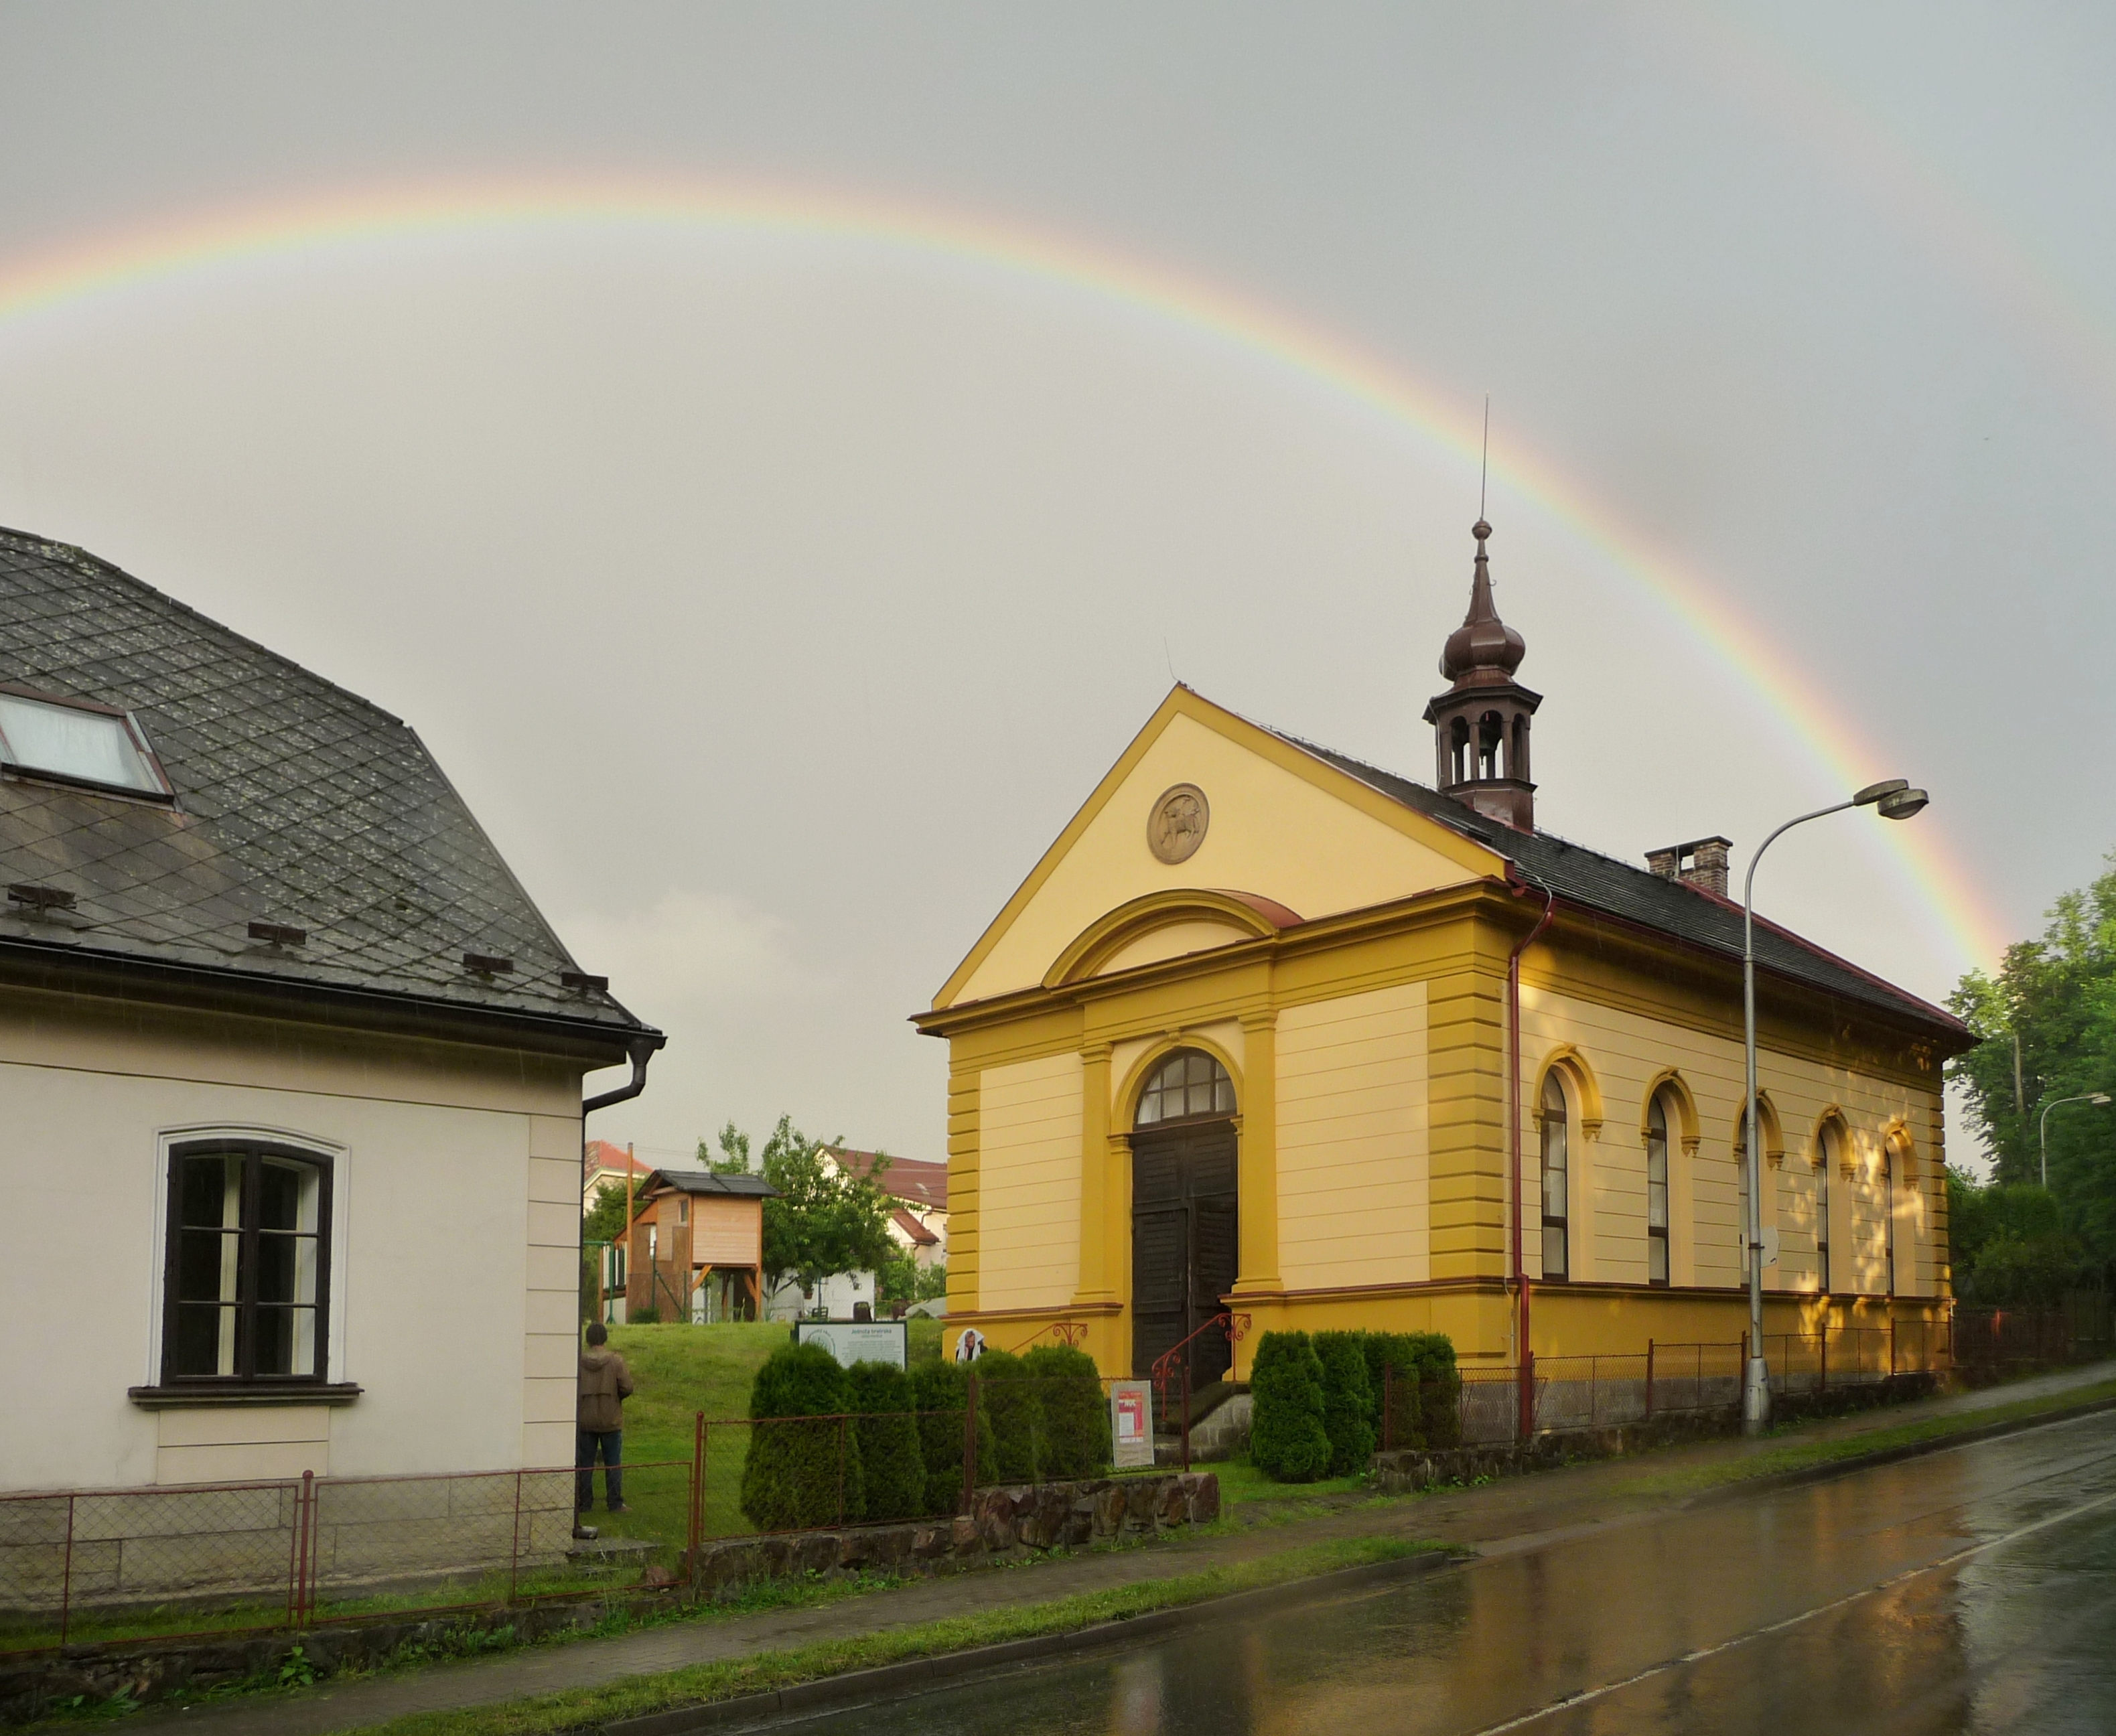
x=1491 y=745
x=1556 y=1264
x=1657 y=1119
x=1458 y=742
x=1827 y=1151
x=1189 y=1085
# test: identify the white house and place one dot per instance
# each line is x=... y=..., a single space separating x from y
x=273 y=1013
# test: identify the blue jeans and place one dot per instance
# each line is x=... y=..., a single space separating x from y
x=610 y=1444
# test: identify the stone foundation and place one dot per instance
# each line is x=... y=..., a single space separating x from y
x=1005 y=1524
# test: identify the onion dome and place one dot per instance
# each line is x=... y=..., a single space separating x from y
x=1483 y=644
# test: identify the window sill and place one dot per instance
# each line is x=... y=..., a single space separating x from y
x=203 y=1397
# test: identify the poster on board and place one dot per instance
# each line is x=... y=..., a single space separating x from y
x=1131 y=1425
x=857 y=1341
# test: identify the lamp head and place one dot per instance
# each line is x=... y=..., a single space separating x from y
x=1873 y=793
x=2101 y=1098
x=1902 y=804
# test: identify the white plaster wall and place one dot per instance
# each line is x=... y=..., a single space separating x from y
x=453 y=1217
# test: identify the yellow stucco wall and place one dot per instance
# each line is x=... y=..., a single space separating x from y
x=1272 y=831
x=1352 y=1183
x=1627 y=1054
x=1029 y=1182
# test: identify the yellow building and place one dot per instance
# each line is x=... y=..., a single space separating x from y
x=1241 y=1040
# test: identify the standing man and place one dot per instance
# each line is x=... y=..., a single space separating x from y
x=605 y=1384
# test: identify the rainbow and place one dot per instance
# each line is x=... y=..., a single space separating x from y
x=112 y=269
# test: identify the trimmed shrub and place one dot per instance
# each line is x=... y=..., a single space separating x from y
x=892 y=1466
x=1075 y=1413
x=940 y=1389
x=1439 y=1389
x=1347 y=1402
x=792 y=1477
x=1392 y=1366
x=1287 y=1439
x=1011 y=1400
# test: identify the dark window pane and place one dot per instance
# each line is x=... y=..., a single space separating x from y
x=206 y=1185
x=207 y=1265
x=275 y=1338
x=279 y=1198
x=276 y=1260
x=202 y=1335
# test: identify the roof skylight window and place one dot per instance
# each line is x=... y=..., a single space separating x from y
x=79 y=741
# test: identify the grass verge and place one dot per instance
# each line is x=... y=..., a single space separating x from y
x=584 y=1708
x=1801 y=1455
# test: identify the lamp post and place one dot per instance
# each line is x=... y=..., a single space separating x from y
x=2042 y=1122
x=1895 y=800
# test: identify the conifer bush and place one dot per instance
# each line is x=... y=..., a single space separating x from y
x=1392 y=1373
x=793 y=1478
x=1287 y=1439
x=1011 y=1400
x=1439 y=1389
x=1347 y=1401
x=892 y=1462
x=940 y=1391
x=1075 y=1411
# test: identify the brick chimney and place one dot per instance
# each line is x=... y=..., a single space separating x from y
x=1701 y=863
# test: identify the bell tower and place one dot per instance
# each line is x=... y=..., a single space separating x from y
x=1480 y=724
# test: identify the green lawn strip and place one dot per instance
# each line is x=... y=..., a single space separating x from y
x=1801 y=1455
x=582 y=1708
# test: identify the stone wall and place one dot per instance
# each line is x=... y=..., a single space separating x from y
x=1007 y=1522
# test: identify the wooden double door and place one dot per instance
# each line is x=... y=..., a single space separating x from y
x=1184 y=1242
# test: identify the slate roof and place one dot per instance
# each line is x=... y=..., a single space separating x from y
x=297 y=803
x=704 y=1181
x=1590 y=880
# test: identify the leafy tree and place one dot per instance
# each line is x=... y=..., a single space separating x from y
x=900 y=1278
x=2047 y=1021
x=604 y=1221
x=731 y=1155
x=825 y=1220
x=2010 y=1244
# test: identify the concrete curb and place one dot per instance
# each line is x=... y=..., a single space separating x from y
x=1827 y=1468
x=853 y=1688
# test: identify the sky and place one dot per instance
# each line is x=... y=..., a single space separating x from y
x=778 y=456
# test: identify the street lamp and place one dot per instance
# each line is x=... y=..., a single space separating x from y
x=2042 y=1122
x=1893 y=799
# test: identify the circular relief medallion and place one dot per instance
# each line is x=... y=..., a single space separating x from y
x=1177 y=824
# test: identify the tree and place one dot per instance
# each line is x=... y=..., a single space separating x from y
x=1287 y=1439
x=2047 y=1021
x=604 y=1221
x=732 y=1156
x=900 y=1278
x=825 y=1220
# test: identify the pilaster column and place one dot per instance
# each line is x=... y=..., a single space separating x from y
x=1259 y=1153
x=1095 y=1250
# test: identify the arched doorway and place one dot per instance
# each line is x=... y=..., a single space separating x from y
x=1184 y=1227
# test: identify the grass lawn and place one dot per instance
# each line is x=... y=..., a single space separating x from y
x=584 y=1708
x=676 y=1371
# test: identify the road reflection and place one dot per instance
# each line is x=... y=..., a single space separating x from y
x=1812 y=1608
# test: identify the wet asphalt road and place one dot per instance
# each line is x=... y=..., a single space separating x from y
x=1972 y=1590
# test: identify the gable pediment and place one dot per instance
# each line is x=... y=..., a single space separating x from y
x=1294 y=832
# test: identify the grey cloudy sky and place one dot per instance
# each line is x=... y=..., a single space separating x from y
x=774 y=592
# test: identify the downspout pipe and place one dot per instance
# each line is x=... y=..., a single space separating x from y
x=1523 y=1357
x=641 y=1050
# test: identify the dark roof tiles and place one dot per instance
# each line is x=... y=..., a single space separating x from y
x=298 y=802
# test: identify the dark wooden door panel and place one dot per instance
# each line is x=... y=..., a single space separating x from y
x=1185 y=1241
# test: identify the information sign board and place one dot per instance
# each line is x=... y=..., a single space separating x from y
x=857 y=1341
x=1131 y=1424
